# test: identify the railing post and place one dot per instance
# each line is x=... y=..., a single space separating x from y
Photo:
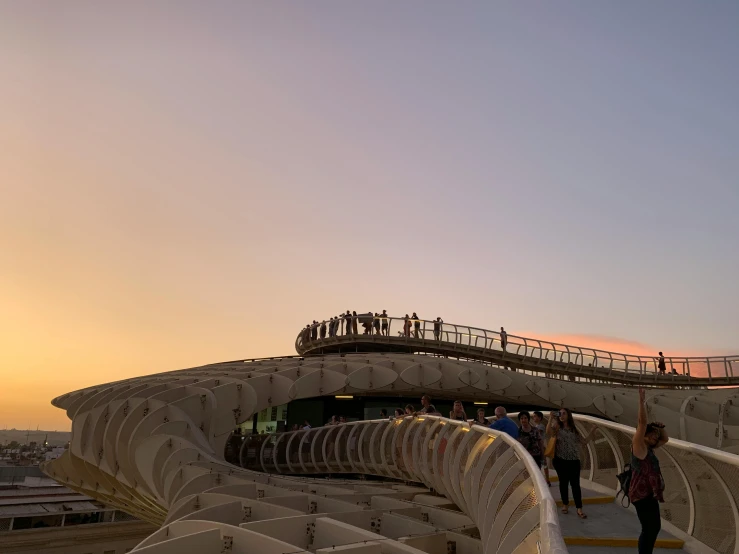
x=541 y=351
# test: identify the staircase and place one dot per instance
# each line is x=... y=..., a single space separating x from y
x=609 y=528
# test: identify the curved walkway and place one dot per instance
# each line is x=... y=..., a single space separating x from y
x=388 y=334
x=700 y=498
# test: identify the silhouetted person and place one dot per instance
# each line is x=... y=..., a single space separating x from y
x=409 y=410
x=503 y=338
x=383 y=414
x=661 y=364
x=437 y=328
x=348 y=323
x=407 y=326
x=367 y=323
x=376 y=323
x=314 y=330
x=323 y=329
x=399 y=412
x=384 y=322
x=354 y=323
x=331 y=327
x=416 y=325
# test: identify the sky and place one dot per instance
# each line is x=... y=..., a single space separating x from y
x=183 y=183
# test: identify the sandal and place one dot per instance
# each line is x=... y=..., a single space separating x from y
x=581 y=515
x=565 y=510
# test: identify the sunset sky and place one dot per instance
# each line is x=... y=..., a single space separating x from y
x=186 y=183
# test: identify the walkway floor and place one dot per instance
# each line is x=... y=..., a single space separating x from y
x=609 y=528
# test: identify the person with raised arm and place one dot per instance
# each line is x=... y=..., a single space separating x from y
x=647 y=485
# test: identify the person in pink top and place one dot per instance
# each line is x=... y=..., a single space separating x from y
x=647 y=485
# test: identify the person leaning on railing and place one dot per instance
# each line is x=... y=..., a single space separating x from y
x=437 y=328
x=647 y=484
x=384 y=317
x=458 y=412
x=416 y=325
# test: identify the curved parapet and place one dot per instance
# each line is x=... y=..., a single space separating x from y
x=154 y=447
x=487 y=474
x=701 y=484
x=390 y=334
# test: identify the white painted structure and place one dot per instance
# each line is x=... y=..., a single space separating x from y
x=153 y=446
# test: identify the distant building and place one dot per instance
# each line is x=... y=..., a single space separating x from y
x=37 y=515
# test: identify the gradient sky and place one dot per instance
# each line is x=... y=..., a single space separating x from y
x=186 y=183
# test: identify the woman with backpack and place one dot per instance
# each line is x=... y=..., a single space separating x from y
x=567 y=448
x=647 y=484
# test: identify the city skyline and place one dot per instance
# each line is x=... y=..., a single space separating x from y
x=183 y=187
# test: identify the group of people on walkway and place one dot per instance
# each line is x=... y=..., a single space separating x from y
x=564 y=447
x=559 y=445
x=377 y=323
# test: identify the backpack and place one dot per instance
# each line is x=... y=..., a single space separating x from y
x=624 y=481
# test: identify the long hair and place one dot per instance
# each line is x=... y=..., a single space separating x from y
x=570 y=420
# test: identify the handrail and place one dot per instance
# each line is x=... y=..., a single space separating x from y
x=469 y=464
x=486 y=344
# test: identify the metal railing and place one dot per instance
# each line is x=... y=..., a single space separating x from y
x=531 y=353
x=487 y=474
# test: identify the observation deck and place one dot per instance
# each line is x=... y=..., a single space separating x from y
x=392 y=334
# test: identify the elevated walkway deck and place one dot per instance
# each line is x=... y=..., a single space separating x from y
x=391 y=334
